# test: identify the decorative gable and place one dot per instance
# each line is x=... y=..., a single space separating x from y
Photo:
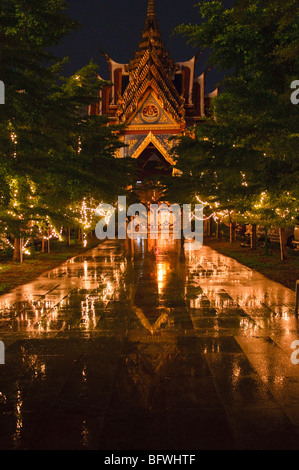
x=151 y=115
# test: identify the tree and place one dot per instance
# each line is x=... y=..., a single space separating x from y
x=250 y=144
x=53 y=155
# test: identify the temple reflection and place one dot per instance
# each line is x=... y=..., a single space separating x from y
x=205 y=282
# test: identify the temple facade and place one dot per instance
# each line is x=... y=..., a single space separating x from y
x=155 y=98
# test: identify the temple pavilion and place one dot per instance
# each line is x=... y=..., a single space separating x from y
x=155 y=98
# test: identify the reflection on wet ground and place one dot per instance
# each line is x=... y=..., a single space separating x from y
x=139 y=345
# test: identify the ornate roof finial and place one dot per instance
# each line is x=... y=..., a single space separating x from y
x=151 y=41
x=151 y=8
x=151 y=19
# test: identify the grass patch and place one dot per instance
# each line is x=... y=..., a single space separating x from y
x=15 y=274
x=4 y=287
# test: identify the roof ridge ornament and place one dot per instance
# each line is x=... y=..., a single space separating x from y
x=151 y=8
x=151 y=41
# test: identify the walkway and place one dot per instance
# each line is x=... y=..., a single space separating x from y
x=139 y=346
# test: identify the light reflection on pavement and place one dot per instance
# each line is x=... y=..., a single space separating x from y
x=140 y=345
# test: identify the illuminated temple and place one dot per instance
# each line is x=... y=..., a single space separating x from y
x=155 y=98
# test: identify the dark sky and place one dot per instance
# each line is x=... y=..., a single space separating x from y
x=115 y=26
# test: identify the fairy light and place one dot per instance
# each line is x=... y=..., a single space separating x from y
x=206 y=204
x=13 y=137
x=85 y=221
x=107 y=214
x=84 y=215
x=244 y=182
x=24 y=247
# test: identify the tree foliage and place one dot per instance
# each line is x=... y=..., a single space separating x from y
x=250 y=144
x=53 y=154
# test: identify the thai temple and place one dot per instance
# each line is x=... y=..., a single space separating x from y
x=155 y=98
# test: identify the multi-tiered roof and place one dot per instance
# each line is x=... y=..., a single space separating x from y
x=152 y=68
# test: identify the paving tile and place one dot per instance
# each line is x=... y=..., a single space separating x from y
x=203 y=429
x=263 y=429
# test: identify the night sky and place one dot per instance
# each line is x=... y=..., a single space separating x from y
x=115 y=26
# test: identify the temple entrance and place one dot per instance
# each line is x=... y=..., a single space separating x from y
x=151 y=165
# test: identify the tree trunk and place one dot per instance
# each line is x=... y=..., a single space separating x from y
x=283 y=245
x=232 y=232
x=218 y=236
x=266 y=242
x=68 y=236
x=209 y=228
x=43 y=241
x=253 y=238
x=49 y=248
x=18 y=252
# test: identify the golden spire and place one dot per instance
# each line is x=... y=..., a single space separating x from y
x=151 y=20
x=151 y=68
x=151 y=40
x=151 y=8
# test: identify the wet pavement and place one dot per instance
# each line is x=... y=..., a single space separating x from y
x=138 y=345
